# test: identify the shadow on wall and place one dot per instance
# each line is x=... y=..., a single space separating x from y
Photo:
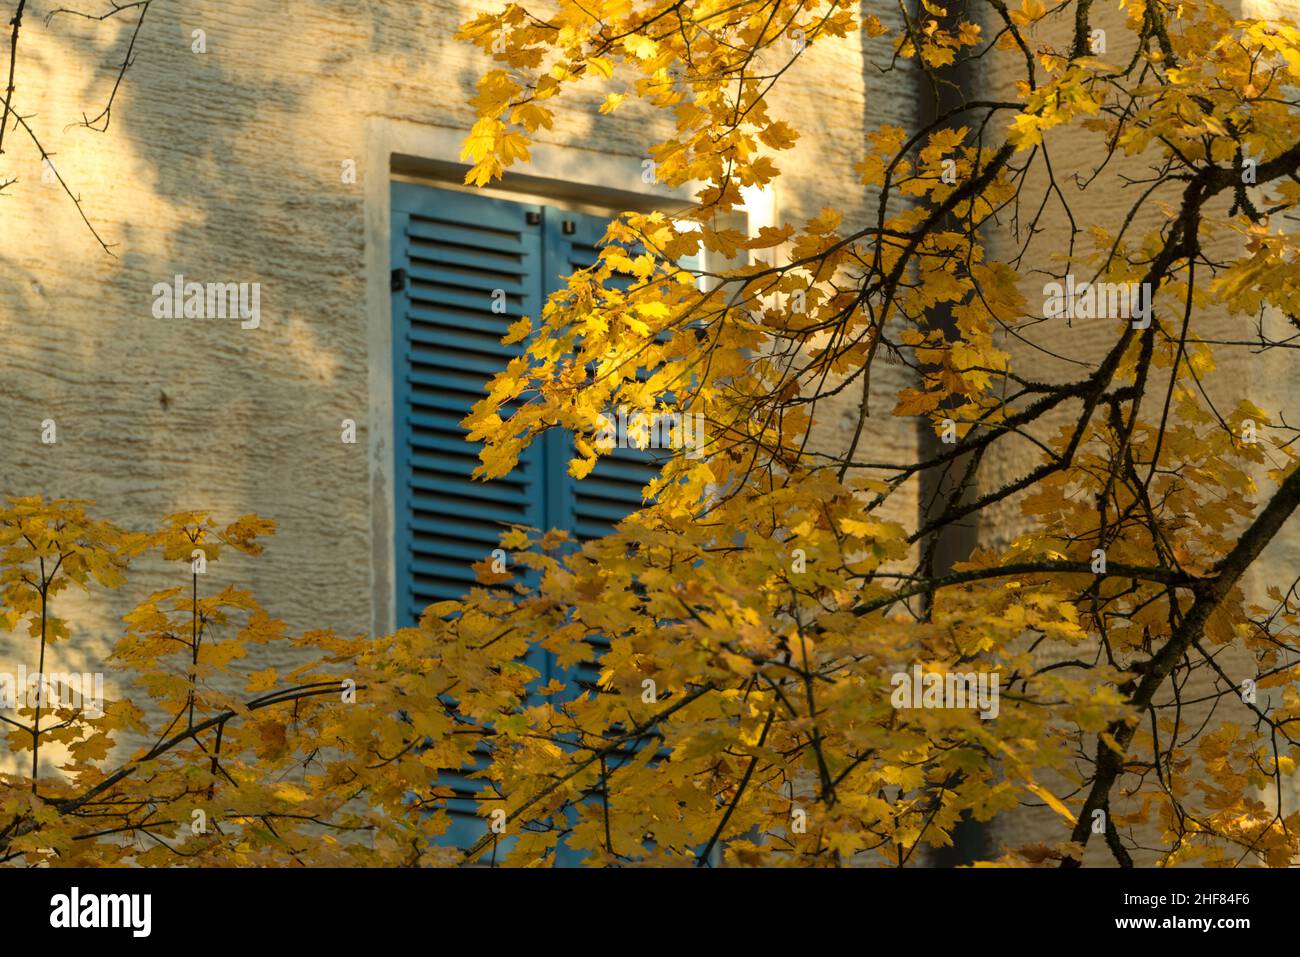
x=224 y=161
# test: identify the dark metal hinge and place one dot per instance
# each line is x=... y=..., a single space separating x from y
x=397 y=282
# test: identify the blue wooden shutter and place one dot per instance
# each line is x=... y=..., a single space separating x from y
x=589 y=508
x=453 y=250
x=457 y=249
x=592 y=507
x=459 y=253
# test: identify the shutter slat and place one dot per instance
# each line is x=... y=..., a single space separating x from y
x=470 y=317
x=462 y=340
x=464 y=268
x=441 y=231
x=429 y=485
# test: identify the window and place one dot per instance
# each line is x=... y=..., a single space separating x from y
x=454 y=256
